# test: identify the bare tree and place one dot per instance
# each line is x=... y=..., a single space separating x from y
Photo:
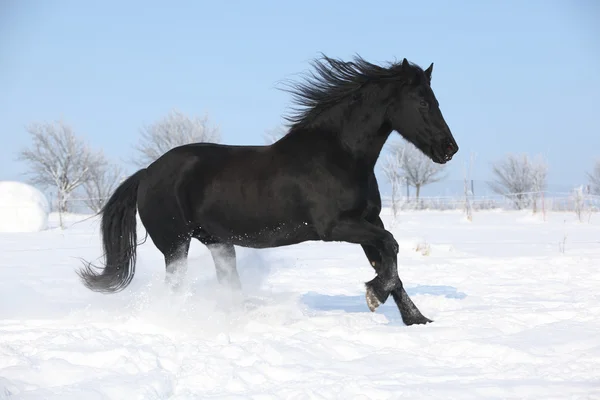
x=416 y=168
x=519 y=179
x=393 y=173
x=468 y=189
x=58 y=159
x=102 y=181
x=272 y=135
x=539 y=171
x=594 y=179
x=579 y=202
x=175 y=129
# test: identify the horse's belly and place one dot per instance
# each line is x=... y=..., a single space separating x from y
x=274 y=240
x=255 y=215
x=272 y=236
x=258 y=231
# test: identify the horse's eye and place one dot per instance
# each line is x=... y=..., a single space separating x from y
x=423 y=103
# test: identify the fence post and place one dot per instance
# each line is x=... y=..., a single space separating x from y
x=543 y=206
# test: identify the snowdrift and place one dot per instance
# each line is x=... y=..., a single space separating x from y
x=23 y=208
x=516 y=317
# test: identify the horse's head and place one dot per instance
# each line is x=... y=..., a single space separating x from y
x=414 y=112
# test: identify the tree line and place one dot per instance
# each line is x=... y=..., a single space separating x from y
x=60 y=160
x=520 y=178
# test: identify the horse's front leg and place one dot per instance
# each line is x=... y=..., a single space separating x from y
x=387 y=280
x=409 y=312
x=368 y=234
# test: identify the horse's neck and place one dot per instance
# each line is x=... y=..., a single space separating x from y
x=360 y=127
x=358 y=130
x=364 y=141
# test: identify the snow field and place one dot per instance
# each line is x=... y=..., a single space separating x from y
x=516 y=315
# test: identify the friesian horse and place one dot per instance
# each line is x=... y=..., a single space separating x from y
x=316 y=183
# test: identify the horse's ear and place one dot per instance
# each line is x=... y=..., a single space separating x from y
x=404 y=63
x=428 y=72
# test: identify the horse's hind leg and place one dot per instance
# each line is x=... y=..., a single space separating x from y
x=225 y=264
x=176 y=263
x=166 y=220
x=174 y=246
x=224 y=258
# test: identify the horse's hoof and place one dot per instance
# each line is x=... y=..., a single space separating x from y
x=372 y=301
x=419 y=320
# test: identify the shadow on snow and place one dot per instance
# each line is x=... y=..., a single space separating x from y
x=357 y=304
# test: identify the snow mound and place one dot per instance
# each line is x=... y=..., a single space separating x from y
x=23 y=208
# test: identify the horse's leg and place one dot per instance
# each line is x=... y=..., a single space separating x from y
x=166 y=220
x=225 y=264
x=224 y=258
x=362 y=232
x=409 y=312
x=373 y=255
x=176 y=264
x=171 y=242
x=387 y=280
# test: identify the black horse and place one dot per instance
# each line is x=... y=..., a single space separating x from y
x=315 y=183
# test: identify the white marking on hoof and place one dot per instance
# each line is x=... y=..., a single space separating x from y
x=372 y=301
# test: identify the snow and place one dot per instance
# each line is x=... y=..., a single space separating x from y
x=514 y=300
x=23 y=208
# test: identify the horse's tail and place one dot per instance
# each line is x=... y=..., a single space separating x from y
x=119 y=239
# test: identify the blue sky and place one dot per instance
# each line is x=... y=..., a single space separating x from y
x=510 y=76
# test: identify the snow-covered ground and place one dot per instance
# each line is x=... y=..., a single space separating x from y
x=515 y=300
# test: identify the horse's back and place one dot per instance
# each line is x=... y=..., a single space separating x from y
x=241 y=194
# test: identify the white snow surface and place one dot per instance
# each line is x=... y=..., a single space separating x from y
x=23 y=208
x=515 y=302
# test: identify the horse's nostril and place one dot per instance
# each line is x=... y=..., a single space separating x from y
x=450 y=148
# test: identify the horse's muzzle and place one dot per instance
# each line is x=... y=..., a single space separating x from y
x=449 y=149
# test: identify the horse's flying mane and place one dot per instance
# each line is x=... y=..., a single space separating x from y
x=331 y=81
